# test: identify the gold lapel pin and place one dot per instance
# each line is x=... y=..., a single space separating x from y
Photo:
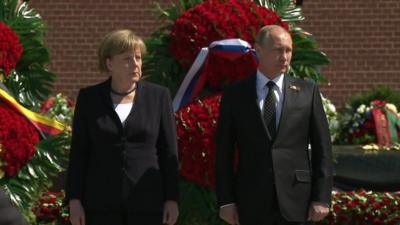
x=294 y=87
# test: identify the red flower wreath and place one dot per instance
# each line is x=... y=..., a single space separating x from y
x=49 y=209
x=10 y=49
x=216 y=20
x=18 y=139
x=196 y=125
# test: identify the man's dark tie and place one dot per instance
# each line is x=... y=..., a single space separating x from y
x=269 y=110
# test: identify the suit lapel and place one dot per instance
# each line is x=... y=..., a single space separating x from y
x=254 y=109
x=289 y=98
x=141 y=88
x=105 y=96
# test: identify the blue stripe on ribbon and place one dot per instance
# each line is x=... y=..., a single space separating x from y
x=230 y=48
x=190 y=88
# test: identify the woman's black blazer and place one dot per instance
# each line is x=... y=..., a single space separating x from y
x=130 y=167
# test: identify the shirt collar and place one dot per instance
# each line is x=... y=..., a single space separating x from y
x=263 y=80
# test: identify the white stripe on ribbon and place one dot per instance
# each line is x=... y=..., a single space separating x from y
x=198 y=62
x=197 y=65
x=233 y=42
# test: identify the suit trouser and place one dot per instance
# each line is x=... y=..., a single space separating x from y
x=122 y=218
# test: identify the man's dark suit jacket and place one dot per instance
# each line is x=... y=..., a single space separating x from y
x=9 y=214
x=130 y=167
x=283 y=162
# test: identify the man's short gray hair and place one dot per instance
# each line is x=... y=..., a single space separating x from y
x=264 y=33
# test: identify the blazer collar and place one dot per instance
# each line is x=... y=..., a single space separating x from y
x=105 y=89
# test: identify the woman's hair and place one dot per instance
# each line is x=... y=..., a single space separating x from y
x=117 y=42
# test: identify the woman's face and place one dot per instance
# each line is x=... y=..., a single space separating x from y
x=127 y=66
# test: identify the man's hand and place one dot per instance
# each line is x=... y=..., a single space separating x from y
x=317 y=211
x=171 y=212
x=76 y=212
x=229 y=214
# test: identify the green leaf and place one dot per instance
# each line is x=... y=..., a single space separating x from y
x=31 y=85
x=2 y=11
x=12 y=8
x=34 y=53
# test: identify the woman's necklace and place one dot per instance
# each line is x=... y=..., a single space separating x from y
x=123 y=93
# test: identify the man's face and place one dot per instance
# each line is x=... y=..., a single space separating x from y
x=275 y=53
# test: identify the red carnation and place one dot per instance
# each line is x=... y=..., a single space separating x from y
x=377 y=221
x=353 y=204
x=18 y=138
x=337 y=208
x=196 y=124
x=343 y=218
x=378 y=103
x=10 y=49
x=47 y=105
x=376 y=206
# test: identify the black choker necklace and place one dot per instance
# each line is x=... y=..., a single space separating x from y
x=123 y=93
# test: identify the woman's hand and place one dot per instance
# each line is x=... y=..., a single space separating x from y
x=171 y=212
x=76 y=212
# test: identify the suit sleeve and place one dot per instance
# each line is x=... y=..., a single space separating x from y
x=167 y=149
x=321 y=152
x=79 y=152
x=225 y=142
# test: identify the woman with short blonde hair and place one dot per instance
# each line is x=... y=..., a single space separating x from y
x=123 y=167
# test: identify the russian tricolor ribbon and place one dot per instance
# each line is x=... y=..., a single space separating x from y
x=195 y=80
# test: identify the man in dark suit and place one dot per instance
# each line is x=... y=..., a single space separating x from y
x=272 y=119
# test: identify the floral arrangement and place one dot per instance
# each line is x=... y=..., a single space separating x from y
x=58 y=107
x=27 y=160
x=359 y=125
x=10 y=49
x=332 y=116
x=220 y=70
x=363 y=208
x=219 y=20
x=193 y=25
x=18 y=139
x=196 y=124
x=49 y=209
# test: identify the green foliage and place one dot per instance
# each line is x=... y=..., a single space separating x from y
x=307 y=58
x=198 y=206
x=352 y=117
x=30 y=82
x=383 y=93
x=286 y=9
x=34 y=178
x=160 y=66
